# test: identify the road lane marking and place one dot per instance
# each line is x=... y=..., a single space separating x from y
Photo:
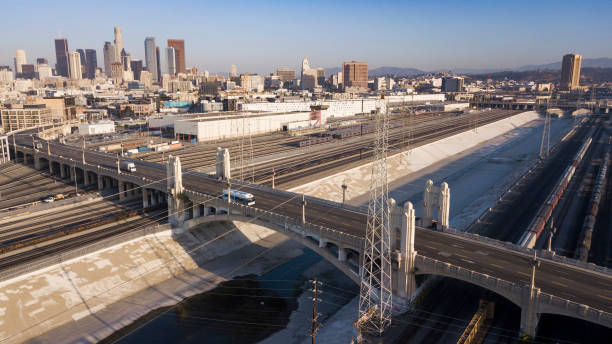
x=444 y=254
x=559 y=284
x=497 y=266
x=482 y=252
x=431 y=247
x=460 y=255
x=605 y=297
x=522 y=273
x=468 y=261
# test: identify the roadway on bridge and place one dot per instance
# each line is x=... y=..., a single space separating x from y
x=578 y=285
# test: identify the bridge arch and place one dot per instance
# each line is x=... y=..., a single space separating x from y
x=307 y=240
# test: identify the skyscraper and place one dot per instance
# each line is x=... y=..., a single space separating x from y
x=158 y=63
x=233 y=71
x=150 y=57
x=83 y=61
x=109 y=58
x=570 y=71
x=171 y=60
x=355 y=74
x=136 y=65
x=20 y=59
x=91 y=59
x=75 y=65
x=118 y=44
x=179 y=53
x=305 y=66
x=61 y=57
x=42 y=61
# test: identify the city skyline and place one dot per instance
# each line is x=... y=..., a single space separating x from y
x=416 y=36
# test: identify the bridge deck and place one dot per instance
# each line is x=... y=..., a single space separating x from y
x=569 y=282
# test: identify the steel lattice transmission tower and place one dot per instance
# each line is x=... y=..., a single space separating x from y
x=375 y=299
x=545 y=144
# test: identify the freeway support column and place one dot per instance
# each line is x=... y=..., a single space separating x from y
x=529 y=310
x=176 y=197
x=100 y=182
x=145 y=197
x=402 y=221
x=121 y=190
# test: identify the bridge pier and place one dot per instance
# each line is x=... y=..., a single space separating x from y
x=145 y=197
x=530 y=298
x=402 y=221
x=176 y=202
x=342 y=254
x=100 y=182
x=322 y=243
x=436 y=198
x=223 y=163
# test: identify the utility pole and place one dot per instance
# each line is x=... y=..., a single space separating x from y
x=303 y=202
x=315 y=327
x=83 y=157
x=48 y=147
x=229 y=197
x=273 y=174
x=118 y=168
x=534 y=264
x=344 y=187
x=551 y=232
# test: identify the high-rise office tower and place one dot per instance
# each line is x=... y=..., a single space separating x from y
x=83 y=61
x=158 y=63
x=136 y=66
x=570 y=71
x=233 y=71
x=75 y=65
x=42 y=61
x=355 y=74
x=179 y=53
x=125 y=61
x=109 y=58
x=286 y=74
x=61 y=57
x=305 y=66
x=171 y=60
x=91 y=59
x=20 y=59
x=150 y=57
x=118 y=43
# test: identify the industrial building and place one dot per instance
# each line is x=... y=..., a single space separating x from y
x=336 y=108
x=27 y=117
x=238 y=124
x=96 y=128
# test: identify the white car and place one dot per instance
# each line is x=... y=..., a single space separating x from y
x=49 y=199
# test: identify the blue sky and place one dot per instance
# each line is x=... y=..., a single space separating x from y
x=259 y=36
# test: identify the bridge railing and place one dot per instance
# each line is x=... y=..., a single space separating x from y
x=309 y=199
x=542 y=253
x=283 y=222
x=552 y=304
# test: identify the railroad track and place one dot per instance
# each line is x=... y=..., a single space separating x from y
x=298 y=167
x=44 y=250
x=49 y=223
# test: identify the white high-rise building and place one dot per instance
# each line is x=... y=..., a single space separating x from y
x=109 y=58
x=20 y=59
x=74 y=65
x=6 y=75
x=151 y=58
x=171 y=60
x=118 y=44
x=44 y=71
x=305 y=67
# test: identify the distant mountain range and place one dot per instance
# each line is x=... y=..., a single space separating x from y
x=602 y=62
